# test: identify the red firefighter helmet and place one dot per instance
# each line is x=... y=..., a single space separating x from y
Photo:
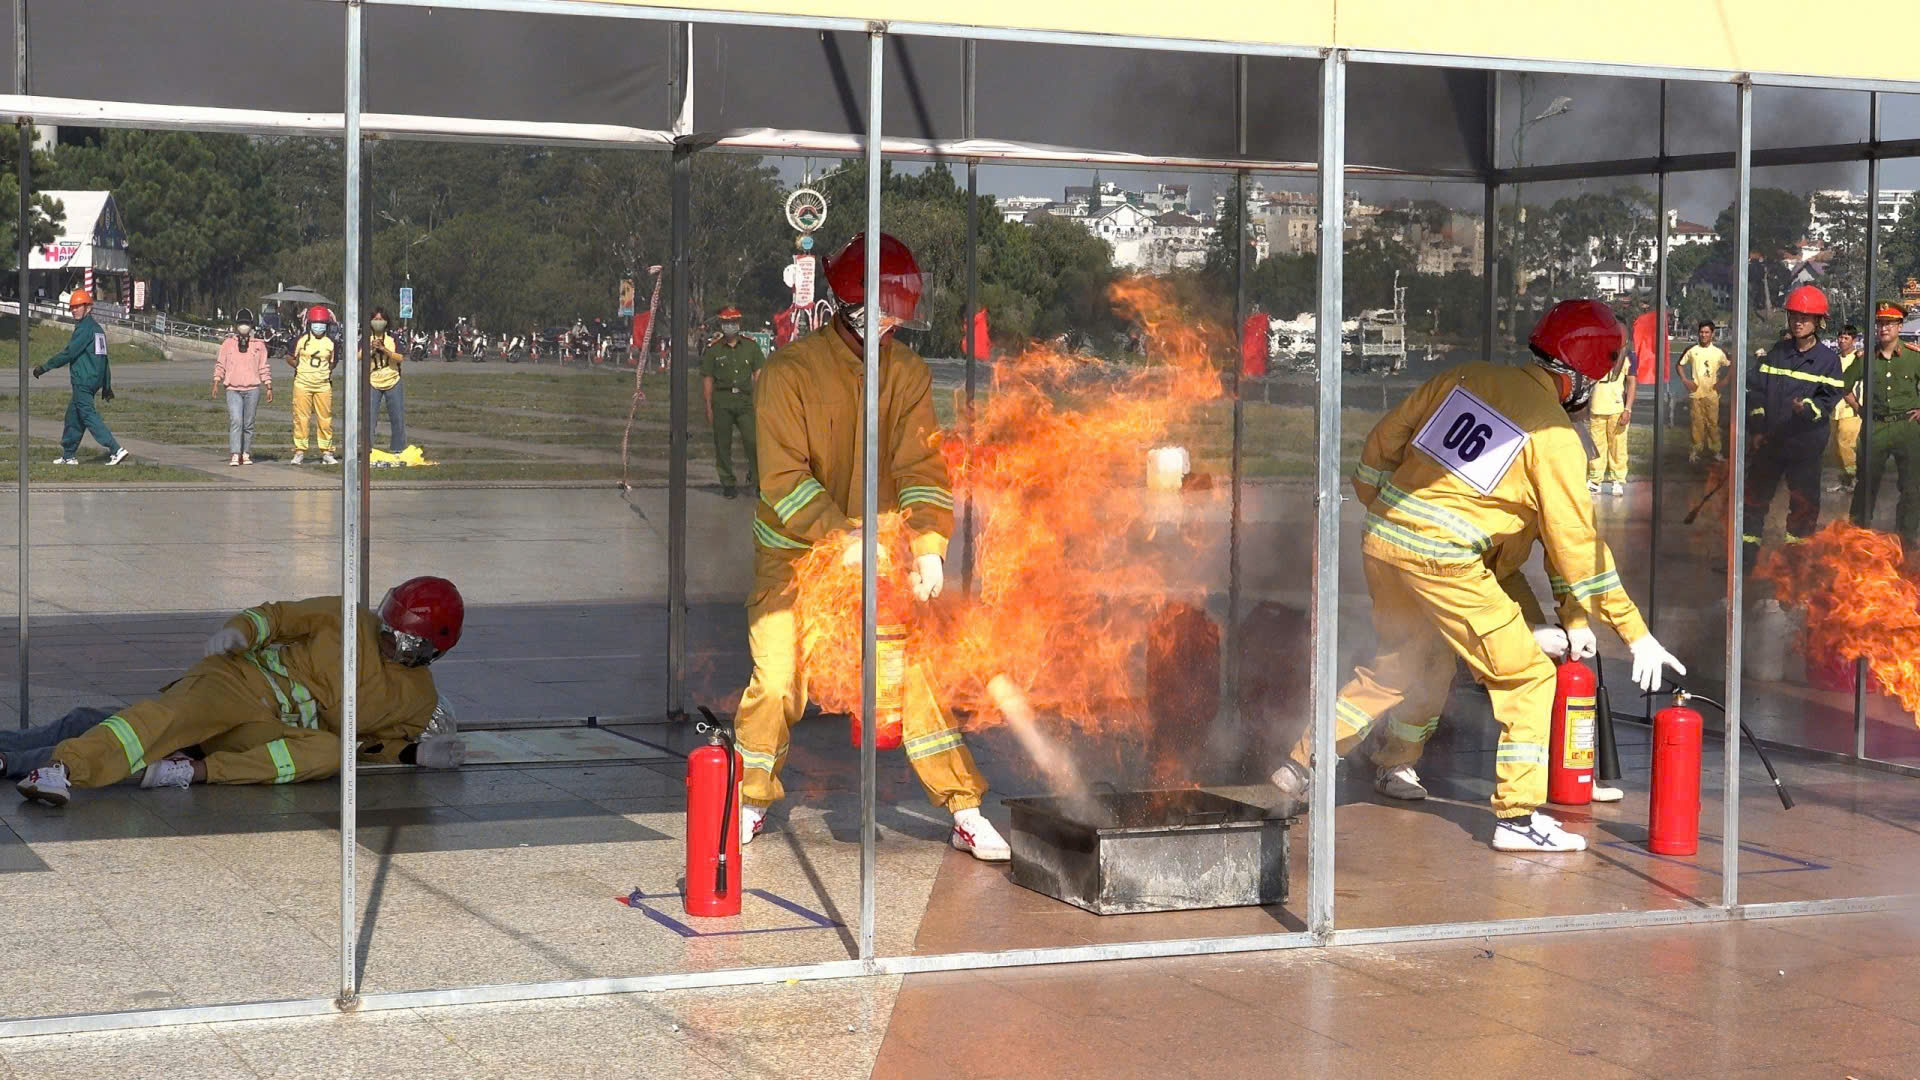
x=1807 y=300
x=902 y=286
x=319 y=313
x=427 y=608
x=1583 y=335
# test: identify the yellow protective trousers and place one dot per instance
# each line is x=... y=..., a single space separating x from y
x=1705 y=406
x=1846 y=443
x=1420 y=617
x=223 y=705
x=1609 y=460
x=777 y=695
x=315 y=407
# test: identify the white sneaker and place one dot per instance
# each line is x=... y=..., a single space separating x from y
x=66 y=461
x=327 y=458
x=1536 y=833
x=1593 y=487
x=47 y=784
x=175 y=771
x=1293 y=779
x=234 y=461
x=119 y=456
x=1399 y=782
x=752 y=819
x=1619 y=488
x=1603 y=793
x=299 y=458
x=975 y=835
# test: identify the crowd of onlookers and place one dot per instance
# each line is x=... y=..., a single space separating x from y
x=244 y=372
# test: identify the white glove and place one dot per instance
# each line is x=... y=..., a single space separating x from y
x=441 y=752
x=1649 y=657
x=1552 y=639
x=227 y=639
x=1581 y=644
x=927 y=577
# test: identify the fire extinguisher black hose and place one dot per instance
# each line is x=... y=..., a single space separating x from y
x=1786 y=800
x=729 y=813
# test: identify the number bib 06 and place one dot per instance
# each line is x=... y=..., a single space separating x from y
x=1471 y=440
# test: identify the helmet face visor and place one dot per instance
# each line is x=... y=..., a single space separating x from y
x=407 y=650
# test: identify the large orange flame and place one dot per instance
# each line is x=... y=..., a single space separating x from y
x=1858 y=602
x=1069 y=573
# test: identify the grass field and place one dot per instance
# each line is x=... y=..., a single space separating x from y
x=50 y=338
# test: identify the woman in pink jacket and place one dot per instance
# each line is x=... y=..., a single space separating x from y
x=242 y=368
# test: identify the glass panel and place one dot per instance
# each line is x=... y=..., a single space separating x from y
x=157 y=898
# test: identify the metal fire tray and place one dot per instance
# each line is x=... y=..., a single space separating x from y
x=1137 y=851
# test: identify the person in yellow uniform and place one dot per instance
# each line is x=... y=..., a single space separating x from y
x=1469 y=462
x=383 y=359
x=263 y=705
x=313 y=361
x=1415 y=719
x=809 y=413
x=1703 y=369
x=1608 y=417
x=1846 y=418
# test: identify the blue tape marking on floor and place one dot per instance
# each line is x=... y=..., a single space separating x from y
x=1795 y=865
x=815 y=920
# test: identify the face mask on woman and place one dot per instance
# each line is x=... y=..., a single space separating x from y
x=318 y=329
x=244 y=331
x=379 y=324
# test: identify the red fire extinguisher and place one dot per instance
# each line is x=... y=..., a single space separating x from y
x=1570 y=745
x=713 y=823
x=890 y=678
x=1673 y=817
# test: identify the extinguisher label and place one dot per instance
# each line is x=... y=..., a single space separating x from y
x=1578 y=752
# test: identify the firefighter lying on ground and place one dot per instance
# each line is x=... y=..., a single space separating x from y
x=1472 y=460
x=808 y=412
x=1413 y=722
x=263 y=704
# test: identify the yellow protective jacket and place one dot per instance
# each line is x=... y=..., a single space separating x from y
x=809 y=412
x=1476 y=460
x=1508 y=562
x=296 y=645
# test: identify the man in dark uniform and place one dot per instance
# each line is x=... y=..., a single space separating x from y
x=729 y=369
x=1896 y=424
x=1790 y=400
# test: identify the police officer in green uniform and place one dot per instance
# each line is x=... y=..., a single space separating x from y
x=1896 y=423
x=728 y=371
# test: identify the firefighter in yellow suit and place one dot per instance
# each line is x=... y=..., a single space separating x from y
x=809 y=415
x=1472 y=460
x=264 y=703
x=1426 y=653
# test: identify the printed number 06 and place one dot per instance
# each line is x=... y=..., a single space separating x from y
x=1467 y=437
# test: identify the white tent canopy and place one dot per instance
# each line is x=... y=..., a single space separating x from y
x=91 y=236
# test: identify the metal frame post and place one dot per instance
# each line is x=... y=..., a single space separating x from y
x=870 y=494
x=1326 y=530
x=1736 y=484
x=1869 y=348
x=353 y=481
x=23 y=247
x=968 y=124
x=1660 y=375
x=680 y=212
x=1243 y=235
x=1490 y=223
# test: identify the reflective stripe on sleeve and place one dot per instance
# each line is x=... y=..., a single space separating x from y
x=802 y=494
x=1371 y=476
x=282 y=761
x=259 y=622
x=1595 y=585
x=765 y=534
x=927 y=494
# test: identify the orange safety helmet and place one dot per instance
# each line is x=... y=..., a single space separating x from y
x=428 y=609
x=78 y=297
x=1807 y=300
x=319 y=313
x=728 y=313
x=902 y=286
x=1888 y=309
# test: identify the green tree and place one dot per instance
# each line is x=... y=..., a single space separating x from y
x=1777 y=219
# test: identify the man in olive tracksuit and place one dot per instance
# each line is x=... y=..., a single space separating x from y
x=86 y=352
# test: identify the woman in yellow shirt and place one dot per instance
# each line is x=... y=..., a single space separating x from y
x=382 y=359
x=313 y=361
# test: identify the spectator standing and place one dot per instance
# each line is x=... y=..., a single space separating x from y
x=383 y=358
x=313 y=359
x=1703 y=369
x=1846 y=418
x=241 y=367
